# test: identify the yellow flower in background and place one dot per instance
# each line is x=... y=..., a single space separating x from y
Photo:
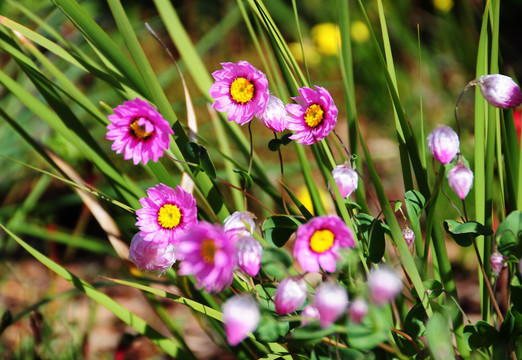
x=304 y=197
x=443 y=5
x=327 y=37
x=359 y=31
x=311 y=54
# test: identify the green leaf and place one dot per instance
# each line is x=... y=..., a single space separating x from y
x=464 y=233
x=480 y=335
x=508 y=235
x=277 y=229
x=274 y=144
x=246 y=177
x=310 y=334
x=439 y=337
x=398 y=205
x=270 y=330
x=414 y=202
x=275 y=262
x=434 y=287
x=377 y=244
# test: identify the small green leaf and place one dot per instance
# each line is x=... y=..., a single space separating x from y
x=277 y=229
x=377 y=244
x=398 y=205
x=439 y=337
x=509 y=233
x=274 y=144
x=310 y=334
x=248 y=180
x=415 y=320
x=275 y=262
x=206 y=163
x=414 y=202
x=480 y=335
x=464 y=233
x=270 y=330
x=434 y=287
x=285 y=139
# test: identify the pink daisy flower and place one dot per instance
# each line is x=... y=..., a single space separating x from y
x=318 y=242
x=208 y=253
x=240 y=90
x=139 y=131
x=313 y=117
x=166 y=214
x=151 y=256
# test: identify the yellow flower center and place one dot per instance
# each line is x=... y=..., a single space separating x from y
x=242 y=90
x=169 y=216
x=314 y=115
x=138 y=131
x=321 y=241
x=208 y=249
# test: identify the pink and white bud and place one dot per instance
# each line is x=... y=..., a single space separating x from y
x=496 y=261
x=384 y=285
x=409 y=236
x=460 y=179
x=309 y=314
x=241 y=316
x=275 y=115
x=500 y=91
x=331 y=301
x=346 y=179
x=151 y=255
x=358 y=310
x=444 y=144
x=249 y=252
x=290 y=295
x=240 y=223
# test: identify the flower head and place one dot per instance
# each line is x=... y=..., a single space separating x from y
x=384 y=285
x=241 y=316
x=249 y=252
x=497 y=262
x=331 y=301
x=444 y=144
x=240 y=90
x=460 y=179
x=318 y=242
x=309 y=314
x=208 y=253
x=150 y=255
x=290 y=295
x=139 y=131
x=346 y=179
x=240 y=223
x=274 y=116
x=313 y=117
x=358 y=310
x=500 y=91
x=409 y=236
x=166 y=214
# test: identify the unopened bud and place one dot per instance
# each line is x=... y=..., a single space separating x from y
x=331 y=301
x=500 y=91
x=460 y=179
x=443 y=143
x=290 y=295
x=241 y=316
x=358 y=310
x=384 y=285
x=151 y=255
x=497 y=262
x=346 y=179
x=409 y=236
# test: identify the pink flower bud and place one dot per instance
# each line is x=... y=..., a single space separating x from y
x=409 y=236
x=497 y=262
x=309 y=314
x=290 y=295
x=275 y=115
x=346 y=179
x=249 y=252
x=241 y=316
x=500 y=91
x=151 y=255
x=460 y=179
x=241 y=223
x=331 y=301
x=444 y=144
x=358 y=310
x=384 y=285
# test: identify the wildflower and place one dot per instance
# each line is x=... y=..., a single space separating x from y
x=208 y=253
x=290 y=295
x=409 y=236
x=249 y=252
x=313 y=117
x=460 y=179
x=166 y=213
x=241 y=316
x=309 y=314
x=500 y=91
x=359 y=31
x=358 y=310
x=443 y=5
x=240 y=223
x=327 y=38
x=274 y=116
x=331 y=301
x=139 y=131
x=384 y=285
x=240 y=90
x=444 y=144
x=497 y=263
x=318 y=242
x=346 y=179
x=151 y=256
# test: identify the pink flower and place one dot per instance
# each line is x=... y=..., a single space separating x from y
x=241 y=316
x=460 y=179
x=497 y=263
x=249 y=252
x=384 y=285
x=208 y=253
x=290 y=295
x=331 y=301
x=313 y=117
x=309 y=314
x=444 y=144
x=240 y=223
x=409 y=236
x=274 y=116
x=139 y=131
x=346 y=179
x=358 y=310
x=500 y=91
x=151 y=256
x=240 y=90
x=166 y=214
x=318 y=243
